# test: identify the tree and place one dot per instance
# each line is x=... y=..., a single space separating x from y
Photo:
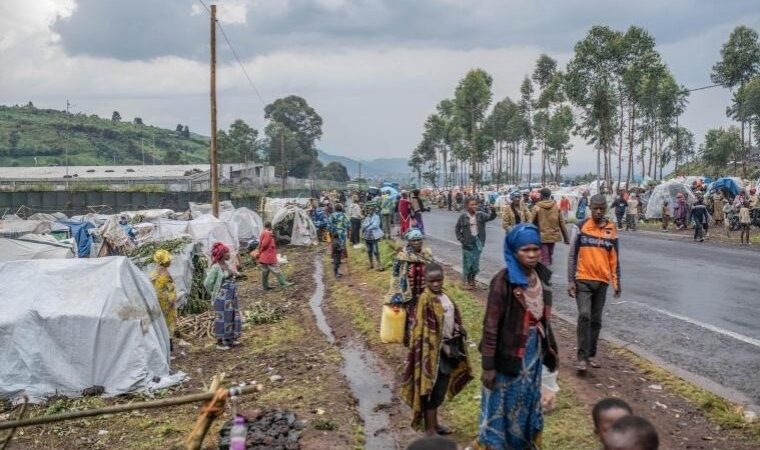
x=719 y=146
x=558 y=137
x=471 y=100
x=185 y=132
x=300 y=122
x=526 y=111
x=173 y=156
x=543 y=75
x=138 y=121
x=239 y=144
x=681 y=147
x=178 y=128
x=116 y=117
x=334 y=171
x=13 y=139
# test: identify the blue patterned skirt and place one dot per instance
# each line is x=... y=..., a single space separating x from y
x=227 y=325
x=510 y=414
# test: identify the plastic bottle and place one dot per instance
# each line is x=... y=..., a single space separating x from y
x=238 y=434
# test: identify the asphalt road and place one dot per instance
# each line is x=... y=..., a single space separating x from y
x=696 y=307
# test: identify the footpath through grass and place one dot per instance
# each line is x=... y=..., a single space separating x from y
x=361 y=294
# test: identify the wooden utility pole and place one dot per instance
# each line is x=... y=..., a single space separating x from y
x=214 y=164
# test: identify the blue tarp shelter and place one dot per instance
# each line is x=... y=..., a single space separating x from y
x=80 y=231
x=727 y=184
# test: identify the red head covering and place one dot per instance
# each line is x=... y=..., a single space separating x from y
x=218 y=252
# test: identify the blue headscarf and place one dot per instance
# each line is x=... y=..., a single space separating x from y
x=521 y=235
x=414 y=235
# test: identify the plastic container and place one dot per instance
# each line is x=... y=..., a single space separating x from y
x=549 y=389
x=393 y=324
x=238 y=434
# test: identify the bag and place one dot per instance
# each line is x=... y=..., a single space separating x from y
x=393 y=324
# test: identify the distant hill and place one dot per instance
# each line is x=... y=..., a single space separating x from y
x=391 y=168
x=27 y=132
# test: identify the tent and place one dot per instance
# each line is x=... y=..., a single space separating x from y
x=245 y=223
x=727 y=184
x=15 y=228
x=207 y=230
x=35 y=246
x=200 y=209
x=302 y=231
x=667 y=191
x=273 y=205
x=181 y=270
x=69 y=329
x=149 y=215
x=80 y=231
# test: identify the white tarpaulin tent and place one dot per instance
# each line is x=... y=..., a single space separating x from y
x=35 y=246
x=200 y=209
x=304 y=232
x=245 y=223
x=207 y=229
x=16 y=228
x=69 y=330
x=273 y=205
x=667 y=191
x=149 y=215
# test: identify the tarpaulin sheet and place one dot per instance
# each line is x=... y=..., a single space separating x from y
x=181 y=270
x=80 y=323
x=304 y=231
x=35 y=246
x=667 y=191
x=200 y=209
x=245 y=223
x=80 y=231
x=207 y=230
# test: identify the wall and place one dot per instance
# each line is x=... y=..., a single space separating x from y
x=72 y=203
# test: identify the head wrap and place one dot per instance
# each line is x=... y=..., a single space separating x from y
x=414 y=235
x=521 y=235
x=162 y=257
x=218 y=252
x=253 y=244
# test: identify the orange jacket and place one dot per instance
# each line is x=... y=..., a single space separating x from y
x=594 y=253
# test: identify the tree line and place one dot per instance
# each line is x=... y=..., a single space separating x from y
x=616 y=92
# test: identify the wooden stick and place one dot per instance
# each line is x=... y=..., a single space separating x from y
x=204 y=421
x=13 y=430
x=115 y=409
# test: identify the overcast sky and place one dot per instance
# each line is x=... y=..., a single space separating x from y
x=373 y=69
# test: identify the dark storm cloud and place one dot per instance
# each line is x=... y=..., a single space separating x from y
x=144 y=29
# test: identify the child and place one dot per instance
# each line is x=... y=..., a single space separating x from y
x=665 y=215
x=631 y=433
x=268 y=258
x=437 y=341
x=606 y=412
x=744 y=223
x=727 y=209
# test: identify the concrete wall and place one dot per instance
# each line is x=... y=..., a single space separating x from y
x=72 y=203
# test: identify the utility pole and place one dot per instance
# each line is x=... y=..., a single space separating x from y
x=214 y=167
x=142 y=148
x=65 y=143
x=282 y=161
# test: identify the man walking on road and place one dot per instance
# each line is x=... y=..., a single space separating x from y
x=471 y=233
x=547 y=217
x=592 y=265
x=620 y=205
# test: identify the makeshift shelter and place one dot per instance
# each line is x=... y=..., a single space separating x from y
x=15 y=228
x=200 y=209
x=149 y=215
x=729 y=185
x=207 y=229
x=667 y=191
x=80 y=323
x=273 y=205
x=293 y=226
x=80 y=231
x=35 y=246
x=245 y=223
x=181 y=270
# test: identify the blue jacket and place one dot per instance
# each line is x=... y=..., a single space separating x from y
x=371 y=227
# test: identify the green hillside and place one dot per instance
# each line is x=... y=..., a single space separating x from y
x=27 y=132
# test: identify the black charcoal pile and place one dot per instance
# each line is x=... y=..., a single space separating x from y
x=269 y=430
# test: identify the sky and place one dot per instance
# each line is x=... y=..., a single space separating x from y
x=373 y=69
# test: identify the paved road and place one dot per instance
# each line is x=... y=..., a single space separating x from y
x=694 y=306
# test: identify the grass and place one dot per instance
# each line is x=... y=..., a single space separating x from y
x=568 y=427
x=726 y=414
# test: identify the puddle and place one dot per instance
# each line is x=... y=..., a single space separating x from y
x=362 y=370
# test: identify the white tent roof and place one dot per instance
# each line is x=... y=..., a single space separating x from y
x=667 y=191
x=304 y=232
x=207 y=229
x=35 y=246
x=69 y=330
x=245 y=223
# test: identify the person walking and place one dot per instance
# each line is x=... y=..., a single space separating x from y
x=338 y=224
x=592 y=265
x=372 y=234
x=418 y=207
x=355 y=218
x=701 y=217
x=470 y=231
x=517 y=342
x=745 y=221
x=436 y=363
x=220 y=283
x=632 y=218
x=448 y=199
x=163 y=283
x=514 y=213
x=405 y=213
x=564 y=207
x=665 y=215
x=547 y=217
x=580 y=212
x=268 y=258
x=619 y=205
x=387 y=204
x=717 y=202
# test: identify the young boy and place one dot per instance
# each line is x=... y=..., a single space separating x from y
x=606 y=412
x=744 y=222
x=437 y=340
x=631 y=433
x=665 y=215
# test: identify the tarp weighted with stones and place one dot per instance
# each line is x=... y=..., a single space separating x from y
x=69 y=330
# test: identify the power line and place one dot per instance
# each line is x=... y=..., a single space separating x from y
x=704 y=87
x=234 y=53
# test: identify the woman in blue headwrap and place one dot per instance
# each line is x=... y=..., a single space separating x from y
x=517 y=341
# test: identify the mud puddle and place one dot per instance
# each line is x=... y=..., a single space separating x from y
x=362 y=370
